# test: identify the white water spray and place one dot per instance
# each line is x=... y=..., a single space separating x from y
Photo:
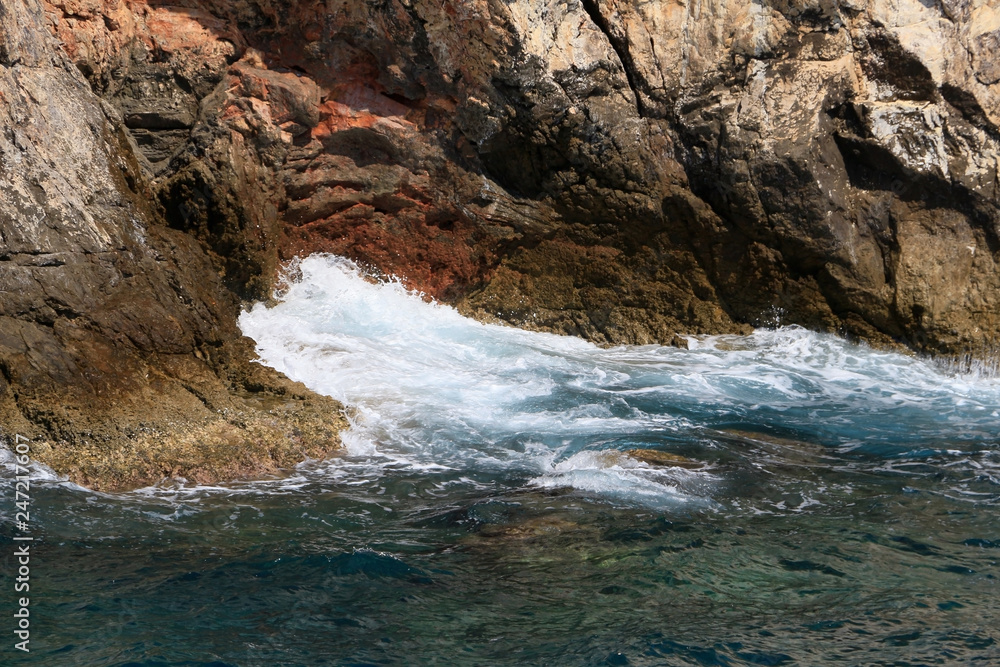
x=435 y=390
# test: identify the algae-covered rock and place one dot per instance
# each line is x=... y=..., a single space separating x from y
x=657 y=457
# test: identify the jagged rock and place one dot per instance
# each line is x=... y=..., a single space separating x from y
x=618 y=170
x=119 y=353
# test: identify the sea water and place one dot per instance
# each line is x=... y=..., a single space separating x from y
x=835 y=504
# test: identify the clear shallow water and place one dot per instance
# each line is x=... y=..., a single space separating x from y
x=845 y=511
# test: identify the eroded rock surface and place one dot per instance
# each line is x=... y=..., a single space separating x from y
x=119 y=353
x=619 y=170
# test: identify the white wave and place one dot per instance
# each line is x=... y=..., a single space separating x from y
x=35 y=472
x=435 y=390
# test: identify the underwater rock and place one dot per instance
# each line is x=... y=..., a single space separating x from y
x=655 y=457
x=528 y=529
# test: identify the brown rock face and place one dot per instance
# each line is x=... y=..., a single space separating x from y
x=116 y=335
x=373 y=132
x=618 y=170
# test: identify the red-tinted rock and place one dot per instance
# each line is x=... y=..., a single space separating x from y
x=618 y=170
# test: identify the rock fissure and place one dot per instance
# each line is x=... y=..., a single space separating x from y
x=602 y=23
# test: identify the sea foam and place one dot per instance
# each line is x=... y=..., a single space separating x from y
x=432 y=389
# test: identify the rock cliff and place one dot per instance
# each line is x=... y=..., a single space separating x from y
x=119 y=352
x=620 y=170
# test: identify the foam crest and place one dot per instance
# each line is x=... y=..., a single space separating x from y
x=433 y=388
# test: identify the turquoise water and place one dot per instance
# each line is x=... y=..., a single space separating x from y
x=841 y=508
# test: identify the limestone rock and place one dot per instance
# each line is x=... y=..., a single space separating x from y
x=114 y=329
x=619 y=170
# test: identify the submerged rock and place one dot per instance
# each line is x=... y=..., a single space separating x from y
x=627 y=172
x=527 y=529
x=656 y=457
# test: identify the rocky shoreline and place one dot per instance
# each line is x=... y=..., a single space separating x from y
x=621 y=171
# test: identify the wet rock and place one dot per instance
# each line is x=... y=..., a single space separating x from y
x=789 y=449
x=656 y=457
